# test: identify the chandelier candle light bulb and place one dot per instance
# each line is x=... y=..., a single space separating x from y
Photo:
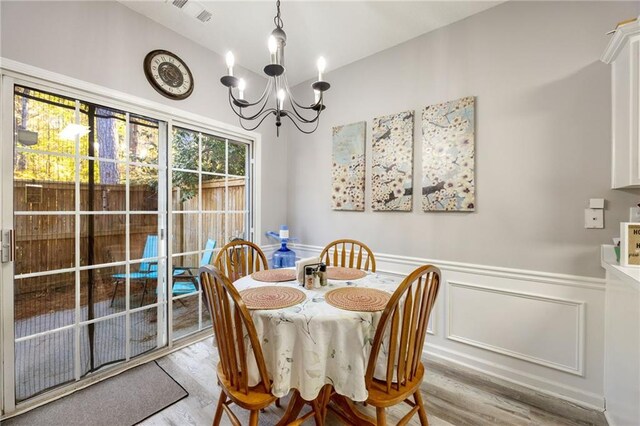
x=273 y=49
x=281 y=96
x=230 y=61
x=241 y=86
x=322 y=65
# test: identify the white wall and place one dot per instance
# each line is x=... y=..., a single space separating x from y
x=522 y=295
x=105 y=43
x=543 y=143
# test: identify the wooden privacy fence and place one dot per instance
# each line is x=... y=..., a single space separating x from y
x=214 y=225
x=47 y=242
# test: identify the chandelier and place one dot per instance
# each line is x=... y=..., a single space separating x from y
x=252 y=114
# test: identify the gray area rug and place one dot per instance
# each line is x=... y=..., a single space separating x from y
x=123 y=400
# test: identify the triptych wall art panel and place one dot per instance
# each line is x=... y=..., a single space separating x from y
x=448 y=151
x=392 y=147
x=348 y=170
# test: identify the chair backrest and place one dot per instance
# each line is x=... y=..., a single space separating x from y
x=240 y=258
x=407 y=316
x=230 y=319
x=150 y=250
x=349 y=253
x=208 y=252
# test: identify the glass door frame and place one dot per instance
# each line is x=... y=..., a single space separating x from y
x=249 y=213
x=32 y=77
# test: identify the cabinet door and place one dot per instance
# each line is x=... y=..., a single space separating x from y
x=626 y=116
x=620 y=92
x=634 y=113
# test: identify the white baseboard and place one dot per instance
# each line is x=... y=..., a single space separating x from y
x=610 y=421
x=518 y=378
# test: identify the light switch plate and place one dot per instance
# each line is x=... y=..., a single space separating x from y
x=596 y=203
x=593 y=218
x=634 y=214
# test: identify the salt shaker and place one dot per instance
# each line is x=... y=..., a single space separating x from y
x=308 y=278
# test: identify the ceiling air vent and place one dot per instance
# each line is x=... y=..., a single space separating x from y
x=204 y=16
x=179 y=3
x=192 y=8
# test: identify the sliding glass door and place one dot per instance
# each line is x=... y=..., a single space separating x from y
x=106 y=214
x=90 y=210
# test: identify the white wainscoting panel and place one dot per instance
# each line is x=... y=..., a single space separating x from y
x=537 y=329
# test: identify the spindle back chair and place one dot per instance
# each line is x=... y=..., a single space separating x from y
x=230 y=319
x=349 y=253
x=240 y=258
x=402 y=331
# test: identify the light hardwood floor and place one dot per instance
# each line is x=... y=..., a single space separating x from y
x=452 y=396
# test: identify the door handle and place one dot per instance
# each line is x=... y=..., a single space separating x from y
x=7 y=245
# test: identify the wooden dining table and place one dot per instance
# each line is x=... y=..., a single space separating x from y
x=318 y=351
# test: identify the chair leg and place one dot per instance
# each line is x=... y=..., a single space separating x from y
x=381 y=416
x=144 y=292
x=278 y=403
x=421 y=411
x=115 y=290
x=253 y=418
x=317 y=412
x=218 y=416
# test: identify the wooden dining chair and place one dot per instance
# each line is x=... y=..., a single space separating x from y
x=406 y=316
x=230 y=319
x=240 y=258
x=349 y=253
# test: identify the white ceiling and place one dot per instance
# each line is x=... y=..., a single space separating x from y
x=341 y=31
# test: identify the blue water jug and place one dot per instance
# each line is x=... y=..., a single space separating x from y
x=284 y=257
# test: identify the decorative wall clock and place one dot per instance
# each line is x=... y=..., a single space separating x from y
x=168 y=74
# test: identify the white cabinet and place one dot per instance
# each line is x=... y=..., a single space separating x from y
x=622 y=342
x=623 y=53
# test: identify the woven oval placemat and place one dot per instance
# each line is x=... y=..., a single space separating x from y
x=341 y=273
x=272 y=297
x=360 y=299
x=274 y=275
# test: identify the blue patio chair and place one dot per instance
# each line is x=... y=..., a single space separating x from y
x=184 y=279
x=144 y=268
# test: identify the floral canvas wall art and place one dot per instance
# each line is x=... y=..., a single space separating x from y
x=392 y=170
x=448 y=151
x=347 y=190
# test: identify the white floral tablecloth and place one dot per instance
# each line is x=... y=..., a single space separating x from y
x=312 y=344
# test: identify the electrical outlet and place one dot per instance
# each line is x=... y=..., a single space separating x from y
x=593 y=218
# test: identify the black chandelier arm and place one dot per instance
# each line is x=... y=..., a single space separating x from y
x=295 y=104
x=293 y=101
x=251 y=104
x=300 y=118
x=307 y=132
x=265 y=113
x=239 y=113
